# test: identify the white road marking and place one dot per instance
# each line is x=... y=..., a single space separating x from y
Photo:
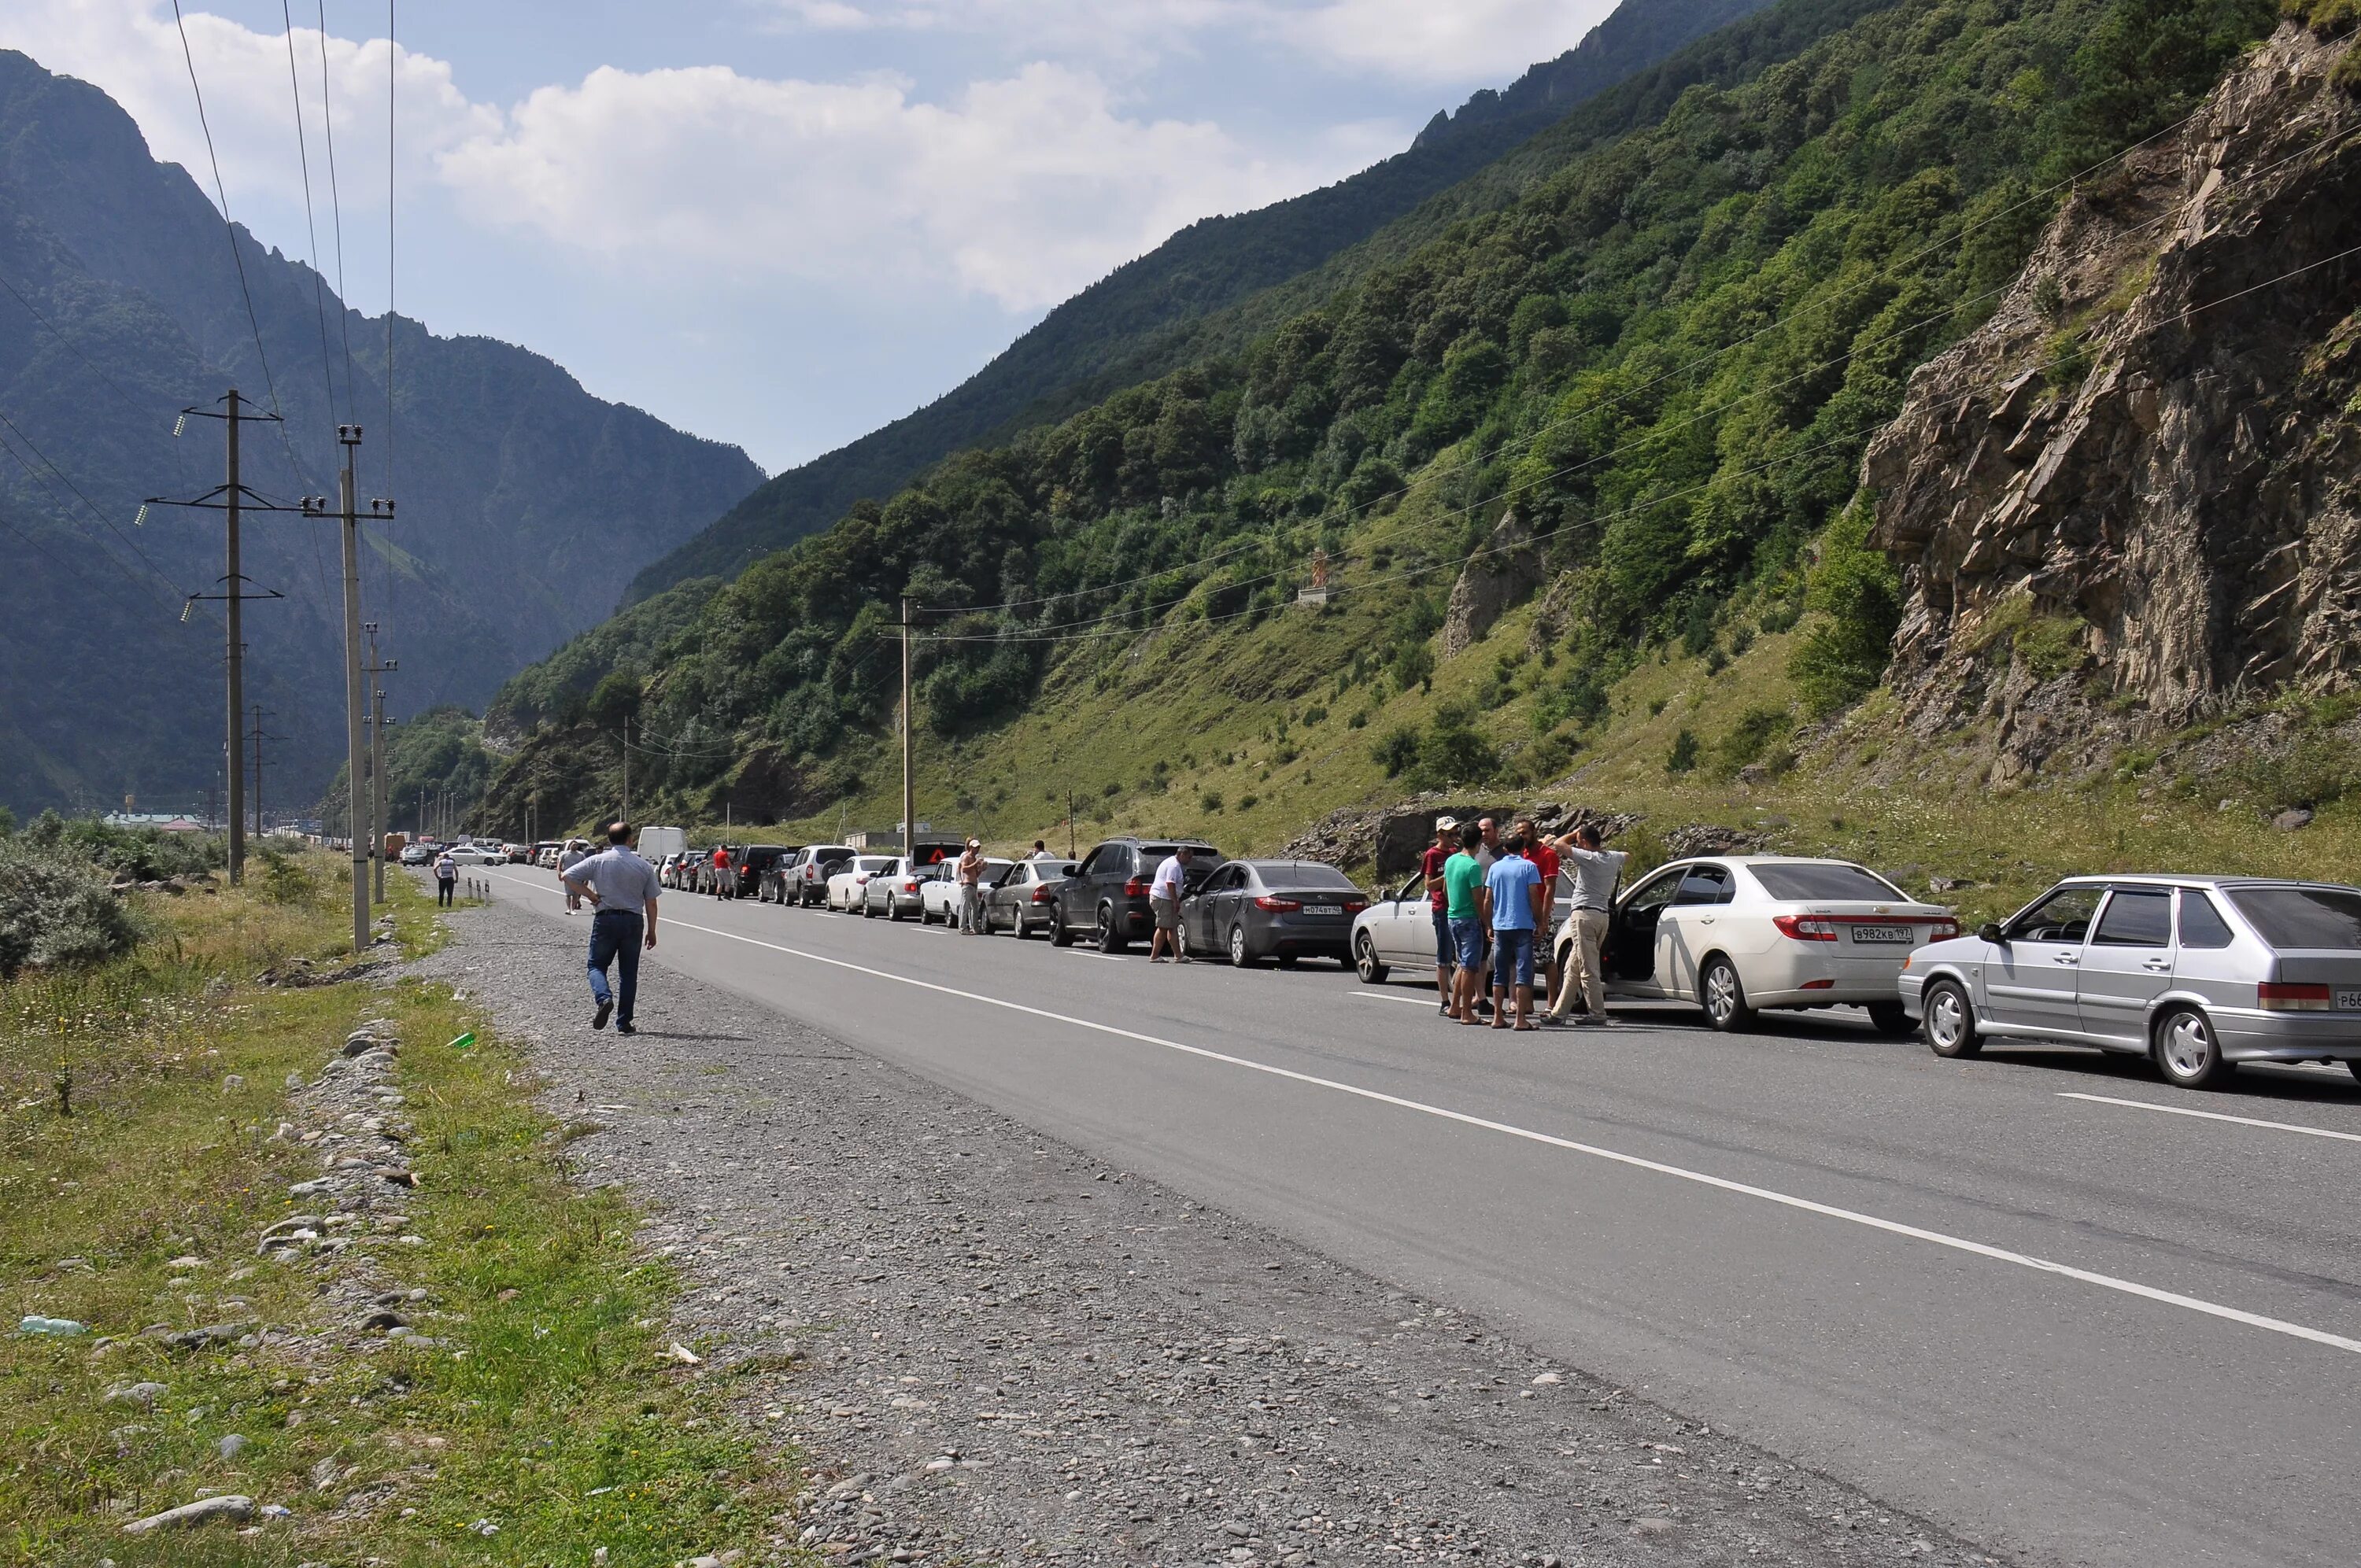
x=2214 y=1117
x=1636 y=1162
x=1381 y=996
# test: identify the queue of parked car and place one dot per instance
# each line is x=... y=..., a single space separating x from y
x=2197 y=973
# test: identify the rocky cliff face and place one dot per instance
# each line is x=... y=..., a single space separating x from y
x=2134 y=496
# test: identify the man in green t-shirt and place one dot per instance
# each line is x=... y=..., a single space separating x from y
x=1462 y=885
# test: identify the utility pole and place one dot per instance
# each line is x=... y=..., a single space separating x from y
x=910 y=785
x=258 y=736
x=349 y=437
x=233 y=499
x=627 y=767
x=377 y=723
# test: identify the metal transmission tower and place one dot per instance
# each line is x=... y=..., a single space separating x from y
x=231 y=499
x=349 y=437
x=377 y=725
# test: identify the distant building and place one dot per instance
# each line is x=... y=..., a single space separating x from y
x=166 y=821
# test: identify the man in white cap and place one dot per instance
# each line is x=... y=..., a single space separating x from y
x=970 y=871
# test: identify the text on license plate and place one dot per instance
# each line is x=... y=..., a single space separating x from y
x=1884 y=934
x=2348 y=1002
x=1339 y=909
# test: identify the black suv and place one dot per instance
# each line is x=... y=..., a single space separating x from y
x=754 y=865
x=1107 y=897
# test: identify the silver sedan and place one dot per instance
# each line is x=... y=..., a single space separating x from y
x=2195 y=973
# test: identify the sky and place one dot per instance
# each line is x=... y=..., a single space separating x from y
x=777 y=223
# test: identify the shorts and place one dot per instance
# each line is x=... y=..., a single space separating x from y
x=1446 y=952
x=1167 y=912
x=1468 y=942
x=1512 y=958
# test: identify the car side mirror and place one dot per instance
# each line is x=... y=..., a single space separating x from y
x=1990 y=931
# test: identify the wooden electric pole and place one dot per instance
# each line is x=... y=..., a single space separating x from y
x=355 y=825
x=910 y=785
x=378 y=805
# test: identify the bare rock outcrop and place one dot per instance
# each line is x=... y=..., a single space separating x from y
x=2134 y=495
x=1500 y=576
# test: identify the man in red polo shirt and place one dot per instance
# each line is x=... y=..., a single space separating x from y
x=1430 y=865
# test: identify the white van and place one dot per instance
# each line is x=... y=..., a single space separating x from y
x=656 y=843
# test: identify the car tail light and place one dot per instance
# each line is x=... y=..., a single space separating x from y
x=1278 y=905
x=1135 y=888
x=1043 y=895
x=1942 y=930
x=2289 y=996
x=1805 y=928
x=910 y=885
x=1818 y=986
x=1354 y=905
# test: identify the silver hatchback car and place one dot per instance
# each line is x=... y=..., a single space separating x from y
x=2195 y=972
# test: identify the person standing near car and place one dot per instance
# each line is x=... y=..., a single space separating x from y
x=970 y=872
x=622 y=890
x=1430 y=866
x=1538 y=850
x=1515 y=904
x=1463 y=908
x=721 y=870
x=447 y=878
x=567 y=859
x=1596 y=872
x=1164 y=896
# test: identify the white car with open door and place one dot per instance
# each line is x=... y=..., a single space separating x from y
x=1738 y=934
x=1395 y=931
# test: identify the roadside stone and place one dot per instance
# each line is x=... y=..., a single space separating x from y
x=143 y=1395
x=203 y=1511
x=231 y=1446
x=2296 y=816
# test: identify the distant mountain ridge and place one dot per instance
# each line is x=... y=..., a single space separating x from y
x=525 y=503
x=1122 y=329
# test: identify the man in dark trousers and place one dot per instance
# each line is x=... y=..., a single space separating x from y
x=622 y=890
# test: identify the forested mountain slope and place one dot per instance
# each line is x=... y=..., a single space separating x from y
x=1597 y=429
x=525 y=504
x=1134 y=323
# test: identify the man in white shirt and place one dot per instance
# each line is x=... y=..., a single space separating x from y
x=1595 y=872
x=1164 y=902
x=622 y=890
x=970 y=871
x=574 y=854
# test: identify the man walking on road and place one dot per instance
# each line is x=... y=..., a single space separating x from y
x=1164 y=903
x=970 y=871
x=622 y=890
x=1430 y=865
x=447 y=878
x=1595 y=872
x=574 y=853
x=721 y=871
x=1516 y=903
x=1463 y=908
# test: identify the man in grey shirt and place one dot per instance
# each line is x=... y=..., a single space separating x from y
x=1596 y=872
x=622 y=890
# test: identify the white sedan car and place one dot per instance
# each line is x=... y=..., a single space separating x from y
x=1736 y=934
x=845 y=889
x=940 y=899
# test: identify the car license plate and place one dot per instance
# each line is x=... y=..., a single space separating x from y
x=1339 y=909
x=1884 y=934
x=2348 y=1002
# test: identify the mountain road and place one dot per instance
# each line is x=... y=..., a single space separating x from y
x=2038 y=1298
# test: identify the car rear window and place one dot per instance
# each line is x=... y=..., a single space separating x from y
x=1803 y=883
x=1299 y=874
x=2293 y=918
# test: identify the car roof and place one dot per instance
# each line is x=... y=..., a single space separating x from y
x=2196 y=879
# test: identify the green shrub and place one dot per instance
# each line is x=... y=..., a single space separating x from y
x=55 y=911
x=1858 y=595
x=1209 y=800
x=1750 y=739
x=1396 y=750
x=1682 y=758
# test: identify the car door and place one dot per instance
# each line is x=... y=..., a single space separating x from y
x=1629 y=957
x=1406 y=934
x=2030 y=983
x=2126 y=965
x=1216 y=906
x=1686 y=928
x=1074 y=898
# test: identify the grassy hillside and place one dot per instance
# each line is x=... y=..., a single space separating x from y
x=1138 y=321
x=1626 y=406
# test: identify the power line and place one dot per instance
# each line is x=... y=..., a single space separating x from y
x=221 y=194
x=303 y=162
x=104 y=520
x=336 y=210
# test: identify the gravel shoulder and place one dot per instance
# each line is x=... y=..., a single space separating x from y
x=1009 y=1350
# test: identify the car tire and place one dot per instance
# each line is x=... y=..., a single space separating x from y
x=1181 y=942
x=1949 y=1021
x=2185 y=1050
x=2353 y=1066
x=1366 y=964
x=1241 y=955
x=1723 y=997
x=1891 y=1019
x=1286 y=960
x=1060 y=934
x=1108 y=938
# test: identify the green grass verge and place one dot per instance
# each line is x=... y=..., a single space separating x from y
x=548 y=1406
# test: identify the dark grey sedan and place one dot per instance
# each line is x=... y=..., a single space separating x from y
x=1252 y=910
x=1025 y=900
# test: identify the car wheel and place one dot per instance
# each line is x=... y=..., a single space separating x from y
x=2186 y=1052
x=1240 y=954
x=1889 y=1019
x=1109 y=938
x=1366 y=965
x=1723 y=997
x=1060 y=934
x=2353 y=1066
x=1950 y=1021
x=1180 y=941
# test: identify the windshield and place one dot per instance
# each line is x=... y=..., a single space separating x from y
x=1804 y=883
x=2293 y=918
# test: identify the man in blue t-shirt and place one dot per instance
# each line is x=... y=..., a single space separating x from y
x=1515 y=905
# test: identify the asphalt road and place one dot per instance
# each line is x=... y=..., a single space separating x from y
x=2021 y=1295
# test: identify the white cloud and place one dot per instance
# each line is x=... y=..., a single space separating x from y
x=1022 y=189
x=1454 y=41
